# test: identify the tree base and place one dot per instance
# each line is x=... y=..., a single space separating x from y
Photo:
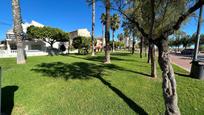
x=93 y=54
x=154 y=76
x=107 y=62
x=21 y=62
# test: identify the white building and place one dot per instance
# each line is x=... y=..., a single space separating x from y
x=35 y=46
x=80 y=32
x=28 y=44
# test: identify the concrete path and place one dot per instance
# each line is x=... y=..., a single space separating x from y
x=181 y=61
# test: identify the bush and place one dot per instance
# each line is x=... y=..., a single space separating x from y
x=82 y=43
x=201 y=48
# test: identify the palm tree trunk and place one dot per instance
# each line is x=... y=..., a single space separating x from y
x=107 y=33
x=169 y=82
x=104 y=40
x=113 y=42
x=18 y=30
x=93 y=26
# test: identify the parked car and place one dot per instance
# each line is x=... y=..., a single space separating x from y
x=187 y=52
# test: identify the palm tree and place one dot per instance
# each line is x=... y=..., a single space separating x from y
x=93 y=26
x=186 y=41
x=103 y=22
x=107 y=32
x=115 y=23
x=18 y=31
x=93 y=3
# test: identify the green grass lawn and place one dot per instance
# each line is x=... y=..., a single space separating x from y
x=73 y=84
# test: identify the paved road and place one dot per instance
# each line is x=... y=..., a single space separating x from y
x=182 y=61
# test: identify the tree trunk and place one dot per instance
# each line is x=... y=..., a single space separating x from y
x=107 y=33
x=103 y=38
x=52 y=52
x=69 y=46
x=133 y=45
x=129 y=43
x=18 y=30
x=149 y=53
x=93 y=26
x=113 y=42
x=145 y=51
x=169 y=82
x=141 y=46
x=153 y=61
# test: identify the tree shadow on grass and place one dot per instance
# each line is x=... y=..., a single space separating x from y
x=77 y=70
x=115 y=67
x=182 y=74
x=135 y=107
x=121 y=54
x=83 y=70
x=101 y=58
x=7 y=99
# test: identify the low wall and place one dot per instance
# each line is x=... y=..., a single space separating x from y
x=13 y=53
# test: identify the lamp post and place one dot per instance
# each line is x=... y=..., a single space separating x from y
x=197 y=70
x=195 y=56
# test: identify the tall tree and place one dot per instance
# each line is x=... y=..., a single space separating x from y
x=141 y=45
x=107 y=32
x=120 y=37
x=169 y=15
x=18 y=31
x=133 y=43
x=103 y=22
x=152 y=47
x=126 y=36
x=128 y=31
x=93 y=26
x=93 y=4
x=115 y=24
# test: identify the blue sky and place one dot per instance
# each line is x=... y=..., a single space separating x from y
x=67 y=15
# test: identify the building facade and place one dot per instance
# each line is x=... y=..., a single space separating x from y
x=36 y=46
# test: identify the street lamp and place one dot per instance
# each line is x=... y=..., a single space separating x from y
x=197 y=70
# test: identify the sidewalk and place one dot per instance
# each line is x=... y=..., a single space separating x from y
x=181 y=61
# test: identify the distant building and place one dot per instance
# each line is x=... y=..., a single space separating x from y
x=80 y=32
x=127 y=41
x=99 y=44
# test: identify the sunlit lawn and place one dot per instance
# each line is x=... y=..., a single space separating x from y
x=74 y=84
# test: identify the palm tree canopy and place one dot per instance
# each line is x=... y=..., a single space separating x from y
x=103 y=18
x=115 y=22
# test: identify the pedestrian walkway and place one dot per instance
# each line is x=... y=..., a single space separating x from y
x=181 y=61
